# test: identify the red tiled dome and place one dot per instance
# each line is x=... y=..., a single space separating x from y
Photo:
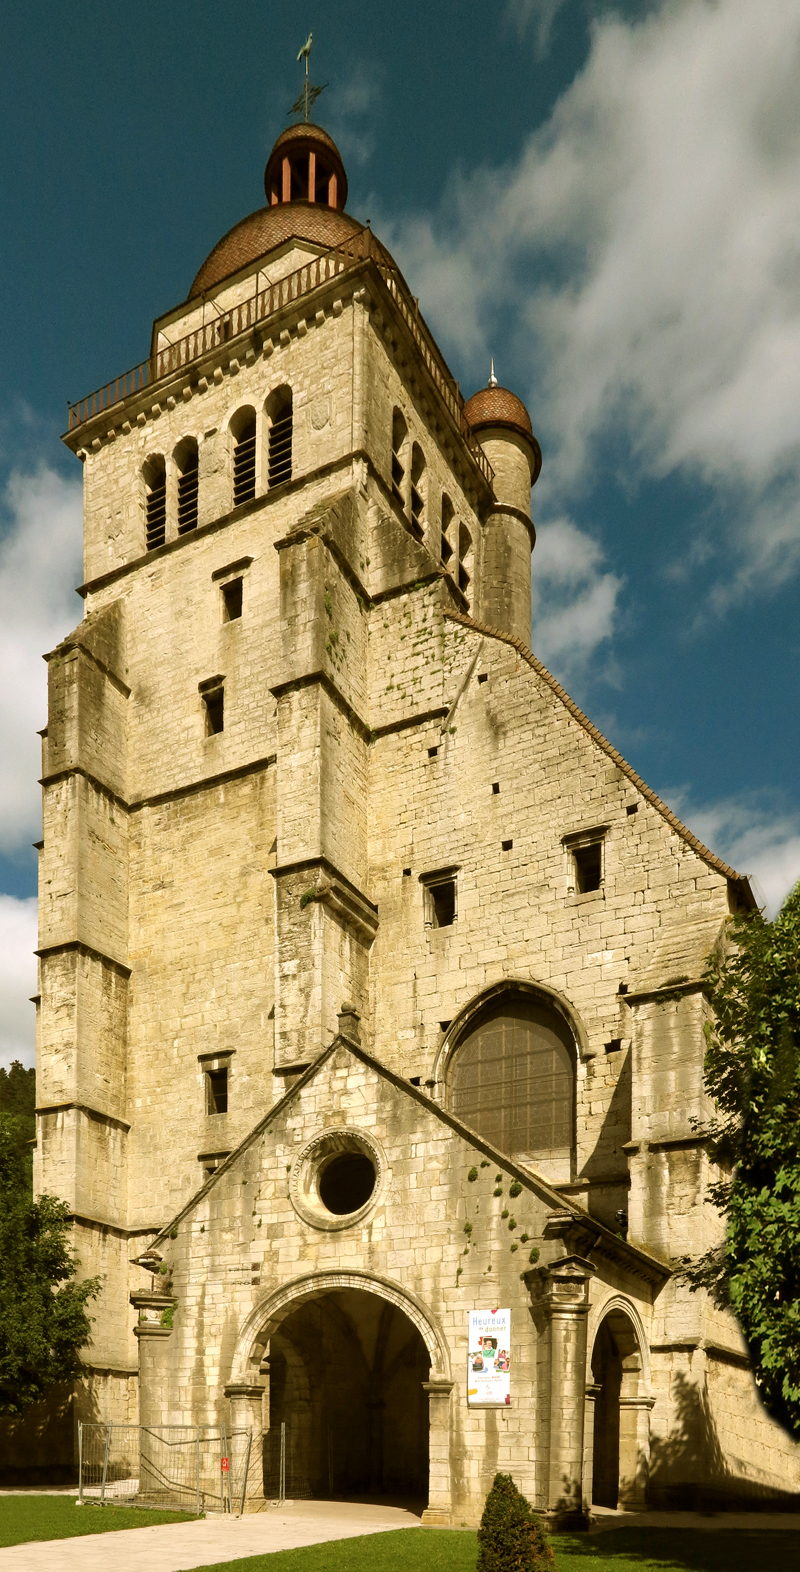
x=269 y=227
x=496 y=406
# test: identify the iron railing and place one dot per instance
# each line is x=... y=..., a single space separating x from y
x=268 y=302
x=193 y=1468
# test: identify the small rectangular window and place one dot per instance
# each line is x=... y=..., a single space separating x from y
x=214 y=700
x=585 y=861
x=217 y=1091
x=232 y=600
x=439 y=894
x=588 y=867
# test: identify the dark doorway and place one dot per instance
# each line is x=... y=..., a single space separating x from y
x=607 y=1372
x=345 y=1377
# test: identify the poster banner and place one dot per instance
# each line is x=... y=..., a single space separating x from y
x=489 y=1361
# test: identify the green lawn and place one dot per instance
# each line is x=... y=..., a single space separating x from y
x=620 y=1550
x=27 y=1518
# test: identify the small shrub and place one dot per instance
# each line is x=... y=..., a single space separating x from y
x=504 y=1212
x=485 y=1162
x=511 y=1538
x=534 y=1256
x=467 y=1228
x=498 y=1191
x=515 y=1188
x=472 y=1175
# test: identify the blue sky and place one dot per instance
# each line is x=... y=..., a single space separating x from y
x=605 y=199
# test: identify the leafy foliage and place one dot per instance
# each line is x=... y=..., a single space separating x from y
x=43 y=1317
x=511 y=1538
x=17 y=1119
x=752 y=1071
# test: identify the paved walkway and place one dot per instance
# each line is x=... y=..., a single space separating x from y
x=606 y=1518
x=177 y=1546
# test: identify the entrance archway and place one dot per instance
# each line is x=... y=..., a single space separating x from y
x=619 y=1455
x=346 y=1373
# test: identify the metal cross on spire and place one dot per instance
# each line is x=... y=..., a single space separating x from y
x=310 y=93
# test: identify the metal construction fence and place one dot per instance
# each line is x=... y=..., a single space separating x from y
x=191 y=1468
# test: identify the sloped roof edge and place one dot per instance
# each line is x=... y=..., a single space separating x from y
x=597 y=736
x=639 y=1258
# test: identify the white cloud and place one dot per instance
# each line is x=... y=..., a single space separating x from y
x=17 y=980
x=574 y=599
x=757 y=836
x=647 y=240
x=40 y=565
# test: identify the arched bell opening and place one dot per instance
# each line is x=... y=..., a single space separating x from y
x=619 y=1449
x=346 y=1373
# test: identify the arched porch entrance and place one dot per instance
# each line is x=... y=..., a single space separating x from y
x=358 y=1370
x=346 y=1373
x=621 y=1430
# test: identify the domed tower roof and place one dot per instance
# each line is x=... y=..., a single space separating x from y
x=496 y=406
x=306 y=187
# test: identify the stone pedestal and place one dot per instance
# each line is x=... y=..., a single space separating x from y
x=634 y=1448
x=247 y=1415
x=440 y=1491
x=152 y=1330
x=593 y=1390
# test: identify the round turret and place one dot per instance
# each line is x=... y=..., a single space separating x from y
x=503 y=427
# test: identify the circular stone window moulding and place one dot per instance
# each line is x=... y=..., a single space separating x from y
x=337 y=1178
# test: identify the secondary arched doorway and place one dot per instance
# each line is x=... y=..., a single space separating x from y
x=346 y=1373
x=619 y=1455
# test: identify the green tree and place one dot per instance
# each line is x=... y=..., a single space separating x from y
x=43 y=1316
x=510 y=1537
x=752 y=1071
x=17 y=1118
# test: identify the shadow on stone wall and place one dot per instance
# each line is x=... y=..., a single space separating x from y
x=689 y=1470
x=40 y=1447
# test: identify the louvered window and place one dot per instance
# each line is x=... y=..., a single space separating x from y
x=418 y=488
x=399 y=435
x=244 y=462
x=155 y=478
x=512 y=1080
x=280 y=443
x=187 y=461
x=447 y=522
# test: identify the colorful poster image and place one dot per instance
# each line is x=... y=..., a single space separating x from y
x=489 y=1362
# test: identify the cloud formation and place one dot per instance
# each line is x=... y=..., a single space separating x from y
x=756 y=835
x=17 y=980
x=648 y=239
x=536 y=16
x=574 y=597
x=40 y=563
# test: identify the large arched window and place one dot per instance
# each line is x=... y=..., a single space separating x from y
x=243 y=431
x=279 y=441
x=155 y=501
x=186 y=461
x=512 y=1078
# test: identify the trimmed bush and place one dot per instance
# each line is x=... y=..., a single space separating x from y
x=511 y=1538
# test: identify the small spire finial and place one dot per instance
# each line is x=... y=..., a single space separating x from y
x=492 y=383
x=310 y=94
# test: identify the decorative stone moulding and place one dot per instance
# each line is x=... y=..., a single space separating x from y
x=308 y=1172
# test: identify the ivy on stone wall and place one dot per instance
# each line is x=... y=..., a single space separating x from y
x=752 y=1071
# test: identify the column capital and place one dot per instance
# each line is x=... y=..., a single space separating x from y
x=242 y=1389
x=438 y=1388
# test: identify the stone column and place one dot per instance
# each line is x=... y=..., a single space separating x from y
x=440 y=1499
x=593 y=1390
x=634 y=1446
x=564 y=1287
x=246 y=1415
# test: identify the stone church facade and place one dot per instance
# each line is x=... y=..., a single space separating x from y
x=370 y=973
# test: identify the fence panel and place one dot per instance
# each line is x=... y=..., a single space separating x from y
x=190 y=1468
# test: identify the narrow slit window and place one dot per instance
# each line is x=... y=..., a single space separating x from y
x=216 y=1091
x=418 y=488
x=186 y=457
x=232 y=596
x=399 y=436
x=155 y=480
x=279 y=442
x=214 y=701
x=447 y=523
x=244 y=457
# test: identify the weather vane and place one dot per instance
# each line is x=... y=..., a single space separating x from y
x=310 y=93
